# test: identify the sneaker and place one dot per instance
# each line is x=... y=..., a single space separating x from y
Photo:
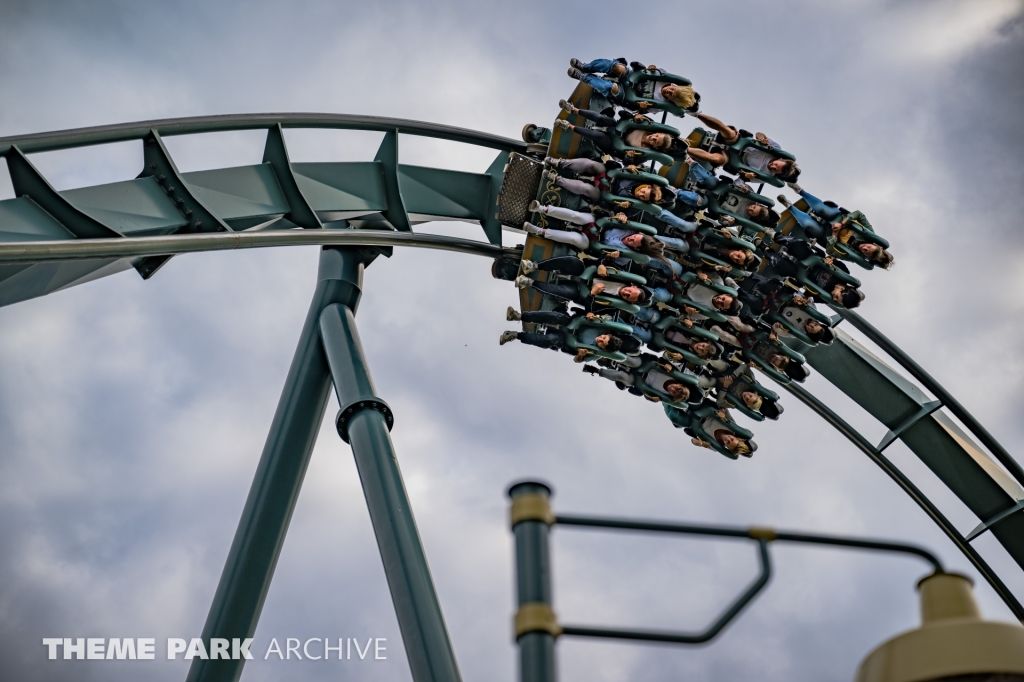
x=591 y=369
x=529 y=266
x=530 y=228
x=795 y=187
x=550 y=175
x=562 y=123
x=575 y=73
x=506 y=337
x=522 y=282
x=551 y=163
x=512 y=315
x=784 y=201
x=576 y=64
x=566 y=106
x=534 y=206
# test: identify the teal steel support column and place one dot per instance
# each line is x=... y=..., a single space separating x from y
x=364 y=422
x=533 y=579
x=257 y=545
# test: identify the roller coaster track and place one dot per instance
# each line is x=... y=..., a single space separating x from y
x=52 y=240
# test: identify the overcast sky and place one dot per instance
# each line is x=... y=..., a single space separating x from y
x=132 y=414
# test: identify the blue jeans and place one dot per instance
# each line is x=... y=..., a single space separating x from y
x=702 y=177
x=819 y=208
x=599 y=66
x=602 y=87
x=648 y=315
x=691 y=199
x=675 y=221
x=811 y=226
x=660 y=295
x=641 y=333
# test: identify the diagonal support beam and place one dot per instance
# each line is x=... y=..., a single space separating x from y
x=159 y=165
x=387 y=157
x=29 y=182
x=276 y=154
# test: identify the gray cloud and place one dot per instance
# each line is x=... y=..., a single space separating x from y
x=132 y=413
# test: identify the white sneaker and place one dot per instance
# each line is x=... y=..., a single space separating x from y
x=550 y=162
x=534 y=206
x=784 y=201
x=522 y=282
x=562 y=123
x=551 y=175
x=565 y=106
x=506 y=337
x=529 y=266
x=795 y=187
x=530 y=228
x=512 y=315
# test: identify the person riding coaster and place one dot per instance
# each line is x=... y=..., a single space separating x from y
x=752 y=157
x=584 y=334
x=712 y=428
x=656 y=381
x=740 y=390
x=635 y=140
x=637 y=86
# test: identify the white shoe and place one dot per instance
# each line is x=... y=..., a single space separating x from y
x=550 y=162
x=522 y=282
x=551 y=175
x=562 y=123
x=530 y=228
x=529 y=266
x=506 y=337
x=565 y=106
x=784 y=201
x=795 y=187
x=512 y=315
x=534 y=206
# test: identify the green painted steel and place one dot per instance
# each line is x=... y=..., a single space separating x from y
x=29 y=183
x=387 y=157
x=53 y=252
x=364 y=421
x=913 y=492
x=275 y=153
x=980 y=483
x=121 y=132
x=533 y=586
x=256 y=547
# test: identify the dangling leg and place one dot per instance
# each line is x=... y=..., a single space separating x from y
x=577 y=239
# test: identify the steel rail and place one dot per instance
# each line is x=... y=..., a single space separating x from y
x=936 y=389
x=913 y=492
x=132 y=247
x=122 y=132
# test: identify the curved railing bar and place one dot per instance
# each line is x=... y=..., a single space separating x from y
x=913 y=491
x=926 y=380
x=132 y=247
x=121 y=132
x=752 y=533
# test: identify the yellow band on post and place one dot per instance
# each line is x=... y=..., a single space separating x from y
x=536 y=617
x=766 y=534
x=532 y=508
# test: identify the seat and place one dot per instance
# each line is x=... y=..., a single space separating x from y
x=727 y=199
x=639 y=91
x=735 y=164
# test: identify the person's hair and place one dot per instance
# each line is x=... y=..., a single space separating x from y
x=757 y=401
x=641 y=298
x=682 y=96
x=882 y=259
x=769 y=219
x=677 y=383
x=649 y=246
x=784 y=357
x=614 y=343
x=790 y=171
x=666 y=141
x=748 y=255
x=741 y=447
x=815 y=336
x=655 y=192
x=851 y=297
